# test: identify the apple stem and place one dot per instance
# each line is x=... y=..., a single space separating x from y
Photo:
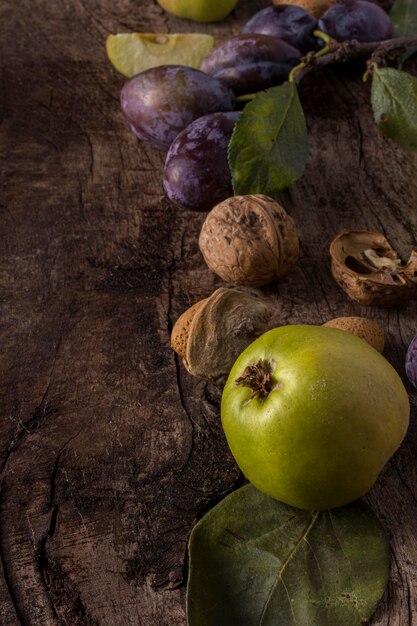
x=258 y=378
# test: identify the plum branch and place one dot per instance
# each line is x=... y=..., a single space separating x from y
x=340 y=52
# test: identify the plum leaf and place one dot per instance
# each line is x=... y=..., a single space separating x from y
x=259 y=562
x=404 y=17
x=404 y=20
x=394 y=103
x=269 y=147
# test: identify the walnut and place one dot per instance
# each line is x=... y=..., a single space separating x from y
x=212 y=333
x=315 y=7
x=361 y=327
x=369 y=270
x=249 y=240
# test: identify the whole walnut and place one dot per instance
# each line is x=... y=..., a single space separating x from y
x=249 y=240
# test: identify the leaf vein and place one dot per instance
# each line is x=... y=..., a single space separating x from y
x=283 y=567
x=283 y=118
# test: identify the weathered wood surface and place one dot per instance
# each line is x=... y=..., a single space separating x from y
x=110 y=450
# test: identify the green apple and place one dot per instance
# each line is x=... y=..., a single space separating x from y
x=199 y=10
x=312 y=414
x=132 y=53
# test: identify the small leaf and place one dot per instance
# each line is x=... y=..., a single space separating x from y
x=404 y=18
x=255 y=561
x=406 y=55
x=269 y=148
x=394 y=102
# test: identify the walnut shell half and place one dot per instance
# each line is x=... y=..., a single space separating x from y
x=249 y=240
x=217 y=329
x=369 y=270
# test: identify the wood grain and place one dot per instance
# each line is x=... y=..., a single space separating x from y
x=109 y=450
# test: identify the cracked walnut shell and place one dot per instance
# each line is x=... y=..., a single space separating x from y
x=249 y=240
x=369 y=270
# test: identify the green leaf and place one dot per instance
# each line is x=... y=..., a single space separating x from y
x=269 y=148
x=255 y=561
x=404 y=18
x=406 y=55
x=394 y=102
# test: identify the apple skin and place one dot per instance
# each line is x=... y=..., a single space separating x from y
x=319 y=440
x=199 y=10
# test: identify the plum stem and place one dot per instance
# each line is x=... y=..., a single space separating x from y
x=310 y=60
x=340 y=52
x=246 y=97
x=319 y=34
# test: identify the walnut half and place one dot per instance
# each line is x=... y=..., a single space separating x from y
x=369 y=270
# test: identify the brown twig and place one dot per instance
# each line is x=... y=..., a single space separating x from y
x=348 y=50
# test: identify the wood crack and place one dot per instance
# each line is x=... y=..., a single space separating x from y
x=10 y=586
x=406 y=485
x=42 y=411
x=187 y=413
x=44 y=563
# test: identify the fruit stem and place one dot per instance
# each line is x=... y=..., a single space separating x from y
x=258 y=378
x=246 y=97
x=294 y=71
x=309 y=60
x=370 y=66
x=323 y=36
x=340 y=52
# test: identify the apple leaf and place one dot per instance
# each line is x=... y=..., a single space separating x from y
x=269 y=149
x=394 y=102
x=255 y=561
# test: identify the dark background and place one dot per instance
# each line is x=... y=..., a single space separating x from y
x=109 y=450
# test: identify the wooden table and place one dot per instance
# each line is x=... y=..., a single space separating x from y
x=110 y=451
